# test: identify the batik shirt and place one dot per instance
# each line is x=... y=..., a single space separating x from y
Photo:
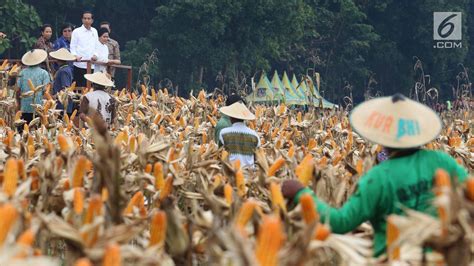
x=39 y=77
x=103 y=103
x=241 y=143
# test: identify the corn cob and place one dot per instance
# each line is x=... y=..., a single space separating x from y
x=392 y=235
x=305 y=169
x=158 y=227
x=308 y=209
x=228 y=193
x=63 y=143
x=94 y=209
x=213 y=122
x=79 y=171
x=112 y=255
x=360 y=167
x=9 y=215
x=10 y=180
x=245 y=213
x=83 y=262
x=135 y=201
x=167 y=187
x=269 y=241
x=442 y=181
x=277 y=198
x=276 y=166
x=299 y=117
x=27 y=238
x=240 y=183
x=322 y=232
x=158 y=173
x=21 y=169
x=470 y=188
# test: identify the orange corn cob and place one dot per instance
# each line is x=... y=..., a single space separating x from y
x=274 y=132
x=470 y=188
x=213 y=122
x=291 y=151
x=132 y=143
x=112 y=255
x=135 y=201
x=285 y=123
x=30 y=84
x=21 y=169
x=2 y=122
x=105 y=194
x=392 y=235
x=9 y=215
x=308 y=209
x=228 y=193
x=157 y=119
x=269 y=241
x=360 y=167
x=311 y=144
x=73 y=115
x=204 y=138
x=83 y=262
x=18 y=115
x=276 y=166
x=27 y=238
x=10 y=179
x=277 y=197
x=79 y=171
x=148 y=168
x=240 y=182
x=442 y=181
x=322 y=232
x=158 y=173
x=224 y=155
x=120 y=138
x=299 y=117
x=305 y=169
x=78 y=201
x=245 y=213
x=167 y=187
x=158 y=227
x=63 y=143
x=217 y=181
x=94 y=209
x=4 y=64
x=237 y=164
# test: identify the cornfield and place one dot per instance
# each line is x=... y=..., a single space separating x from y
x=155 y=189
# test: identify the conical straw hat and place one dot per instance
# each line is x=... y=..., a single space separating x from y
x=34 y=57
x=62 y=54
x=396 y=122
x=237 y=110
x=99 y=78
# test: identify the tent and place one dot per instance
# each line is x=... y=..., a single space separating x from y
x=291 y=97
x=263 y=92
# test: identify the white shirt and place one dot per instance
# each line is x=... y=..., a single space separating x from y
x=102 y=102
x=239 y=130
x=102 y=53
x=83 y=43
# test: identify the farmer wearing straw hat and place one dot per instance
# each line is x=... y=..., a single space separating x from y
x=38 y=76
x=63 y=77
x=239 y=140
x=402 y=126
x=224 y=121
x=98 y=100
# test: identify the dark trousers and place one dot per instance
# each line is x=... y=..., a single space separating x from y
x=78 y=74
x=28 y=117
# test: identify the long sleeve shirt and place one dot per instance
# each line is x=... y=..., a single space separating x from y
x=83 y=43
x=405 y=181
x=102 y=54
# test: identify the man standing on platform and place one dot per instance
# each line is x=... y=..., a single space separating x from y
x=83 y=43
x=114 y=49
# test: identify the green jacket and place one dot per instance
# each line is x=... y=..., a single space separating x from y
x=405 y=181
x=223 y=122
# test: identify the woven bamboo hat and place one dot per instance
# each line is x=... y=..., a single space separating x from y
x=62 y=54
x=34 y=57
x=396 y=122
x=100 y=78
x=237 y=110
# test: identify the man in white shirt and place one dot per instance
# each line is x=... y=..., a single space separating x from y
x=83 y=43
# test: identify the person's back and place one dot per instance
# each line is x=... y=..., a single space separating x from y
x=102 y=102
x=38 y=76
x=241 y=142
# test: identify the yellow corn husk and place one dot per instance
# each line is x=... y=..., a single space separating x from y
x=27 y=238
x=78 y=201
x=132 y=143
x=228 y=193
x=63 y=143
x=217 y=181
x=158 y=226
x=392 y=235
x=279 y=144
x=4 y=64
x=128 y=119
x=153 y=95
x=277 y=197
x=245 y=213
x=213 y=122
x=79 y=171
x=204 y=137
x=30 y=85
x=10 y=179
x=9 y=215
x=202 y=96
x=269 y=241
x=308 y=209
x=83 y=262
x=442 y=181
x=305 y=169
x=21 y=169
x=224 y=155
x=135 y=201
x=159 y=177
x=196 y=123
x=167 y=188
x=73 y=115
x=299 y=117
x=112 y=255
x=276 y=166
x=322 y=232
x=18 y=115
x=120 y=138
x=240 y=182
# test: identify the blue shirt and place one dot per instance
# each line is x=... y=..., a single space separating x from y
x=39 y=77
x=61 y=42
x=63 y=79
